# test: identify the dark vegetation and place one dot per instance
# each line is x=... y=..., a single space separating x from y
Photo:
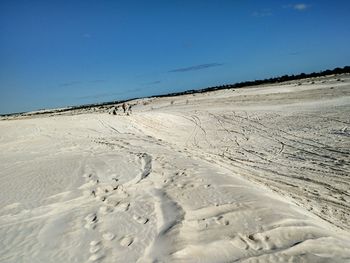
x=273 y=80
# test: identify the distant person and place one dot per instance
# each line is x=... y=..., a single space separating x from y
x=124 y=107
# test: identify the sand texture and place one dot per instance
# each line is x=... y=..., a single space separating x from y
x=258 y=174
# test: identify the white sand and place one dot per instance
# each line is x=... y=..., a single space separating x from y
x=252 y=175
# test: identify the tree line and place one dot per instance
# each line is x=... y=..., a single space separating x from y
x=272 y=80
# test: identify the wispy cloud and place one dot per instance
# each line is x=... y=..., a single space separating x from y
x=97 y=81
x=153 y=82
x=187 y=44
x=70 y=83
x=262 y=13
x=75 y=83
x=196 y=67
x=87 y=35
x=298 y=7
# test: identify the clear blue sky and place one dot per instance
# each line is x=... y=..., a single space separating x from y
x=59 y=53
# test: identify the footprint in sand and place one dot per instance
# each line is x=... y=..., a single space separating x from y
x=101 y=191
x=126 y=241
x=96 y=257
x=222 y=221
x=124 y=207
x=180 y=185
x=202 y=224
x=105 y=210
x=94 y=249
x=113 y=202
x=109 y=188
x=108 y=236
x=86 y=176
x=140 y=220
x=94 y=182
x=95 y=243
x=240 y=243
x=91 y=220
x=253 y=241
x=102 y=198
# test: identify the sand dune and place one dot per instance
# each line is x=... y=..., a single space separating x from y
x=257 y=174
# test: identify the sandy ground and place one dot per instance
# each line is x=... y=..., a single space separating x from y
x=249 y=175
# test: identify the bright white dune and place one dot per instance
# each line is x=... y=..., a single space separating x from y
x=251 y=175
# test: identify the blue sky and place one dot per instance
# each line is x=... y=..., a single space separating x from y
x=59 y=53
